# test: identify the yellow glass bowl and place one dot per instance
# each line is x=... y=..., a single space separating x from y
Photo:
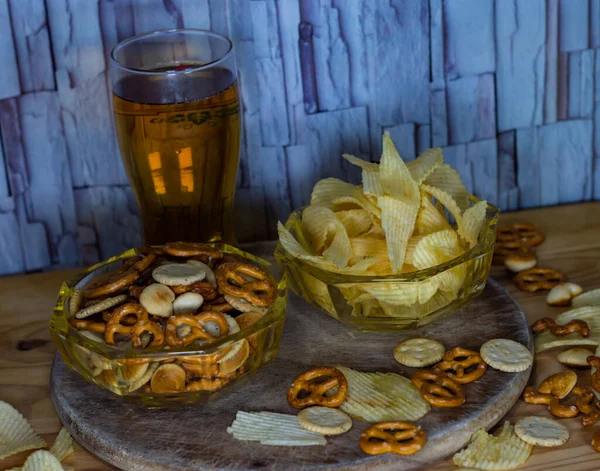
x=333 y=293
x=126 y=371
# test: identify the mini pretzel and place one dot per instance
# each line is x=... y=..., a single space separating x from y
x=471 y=358
x=594 y=362
x=556 y=409
x=401 y=438
x=537 y=279
x=151 y=327
x=317 y=390
x=191 y=249
x=219 y=307
x=196 y=325
x=115 y=324
x=86 y=324
x=527 y=234
x=203 y=288
x=122 y=278
x=206 y=384
x=560 y=330
x=585 y=404
x=438 y=389
x=231 y=280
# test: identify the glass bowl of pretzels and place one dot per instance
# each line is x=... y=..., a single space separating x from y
x=171 y=325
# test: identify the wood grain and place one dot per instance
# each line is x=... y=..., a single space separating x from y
x=572 y=245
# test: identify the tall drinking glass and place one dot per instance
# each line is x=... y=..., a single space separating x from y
x=176 y=105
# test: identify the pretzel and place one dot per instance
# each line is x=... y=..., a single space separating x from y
x=556 y=409
x=560 y=330
x=231 y=280
x=114 y=324
x=471 y=358
x=206 y=384
x=401 y=438
x=504 y=249
x=537 y=279
x=527 y=234
x=122 y=278
x=147 y=326
x=86 y=324
x=127 y=321
x=220 y=307
x=318 y=390
x=191 y=249
x=594 y=362
x=148 y=249
x=203 y=288
x=438 y=389
x=196 y=325
x=585 y=404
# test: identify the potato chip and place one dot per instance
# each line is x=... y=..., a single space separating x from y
x=428 y=253
x=403 y=294
x=410 y=249
x=355 y=221
x=42 y=460
x=589 y=298
x=381 y=397
x=369 y=247
x=487 y=452
x=270 y=428
x=445 y=178
x=367 y=308
x=396 y=180
x=425 y=164
x=429 y=219
x=417 y=311
x=63 y=445
x=289 y=242
x=328 y=189
x=319 y=226
x=590 y=314
x=16 y=434
x=473 y=220
x=315 y=291
x=340 y=251
x=398 y=220
x=446 y=200
x=370 y=175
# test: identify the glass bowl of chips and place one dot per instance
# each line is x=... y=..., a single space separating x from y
x=403 y=249
x=171 y=325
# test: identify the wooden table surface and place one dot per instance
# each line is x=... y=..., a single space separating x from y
x=26 y=350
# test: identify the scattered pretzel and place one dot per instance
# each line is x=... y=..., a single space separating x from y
x=86 y=324
x=150 y=327
x=594 y=362
x=527 y=234
x=438 y=389
x=232 y=279
x=585 y=404
x=196 y=326
x=192 y=249
x=575 y=325
x=504 y=249
x=450 y=363
x=317 y=389
x=114 y=325
x=556 y=409
x=401 y=438
x=537 y=279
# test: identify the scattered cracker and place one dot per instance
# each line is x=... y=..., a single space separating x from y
x=506 y=355
x=324 y=420
x=419 y=352
x=541 y=431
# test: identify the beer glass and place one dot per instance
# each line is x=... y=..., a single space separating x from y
x=177 y=117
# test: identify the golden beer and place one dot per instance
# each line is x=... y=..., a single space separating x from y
x=178 y=128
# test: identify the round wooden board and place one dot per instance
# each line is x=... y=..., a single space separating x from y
x=194 y=438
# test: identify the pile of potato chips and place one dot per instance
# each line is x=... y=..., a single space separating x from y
x=405 y=217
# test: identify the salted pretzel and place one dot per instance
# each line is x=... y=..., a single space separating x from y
x=125 y=276
x=401 y=438
x=575 y=325
x=223 y=306
x=318 y=389
x=556 y=409
x=148 y=249
x=259 y=290
x=594 y=362
x=204 y=288
x=537 y=279
x=438 y=389
x=192 y=249
x=86 y=324
x=196 y=326
x=455 y=368
x=527 y=234
x=150 y=327
x=126 y=321
x=115 y=324
x=585 y=404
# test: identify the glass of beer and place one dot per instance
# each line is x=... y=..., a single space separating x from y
x=177 y=116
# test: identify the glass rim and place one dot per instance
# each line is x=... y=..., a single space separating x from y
x=126 y=42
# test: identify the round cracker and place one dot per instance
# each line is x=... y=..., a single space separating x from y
x=506 y=355
x=210 y=274
x=100 y=306
x=324 y=420
x=158 y=299
x=178 y=274
x=419 y=352
x=187 y=303
x=541 y=431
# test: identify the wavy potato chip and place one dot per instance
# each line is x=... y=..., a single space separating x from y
x=319 y=226
x=446 y=200
x=410 y=249
x=425 y=164
x=590 y=314
x=398 y=221
x=16 y=434
x=42 y=460
x=395 y=178
x=370 y=175
x=403 y=294
x=289 y=242
x=472 y=221
x=429 y=219
x=445 y=178
x=356 y=221
x=63 y=447
x=364 y=246
x=589 y=298
x=328 y=189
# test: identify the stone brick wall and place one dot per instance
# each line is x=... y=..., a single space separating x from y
x=509 y=89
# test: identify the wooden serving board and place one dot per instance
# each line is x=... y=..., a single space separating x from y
x=195 y=438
